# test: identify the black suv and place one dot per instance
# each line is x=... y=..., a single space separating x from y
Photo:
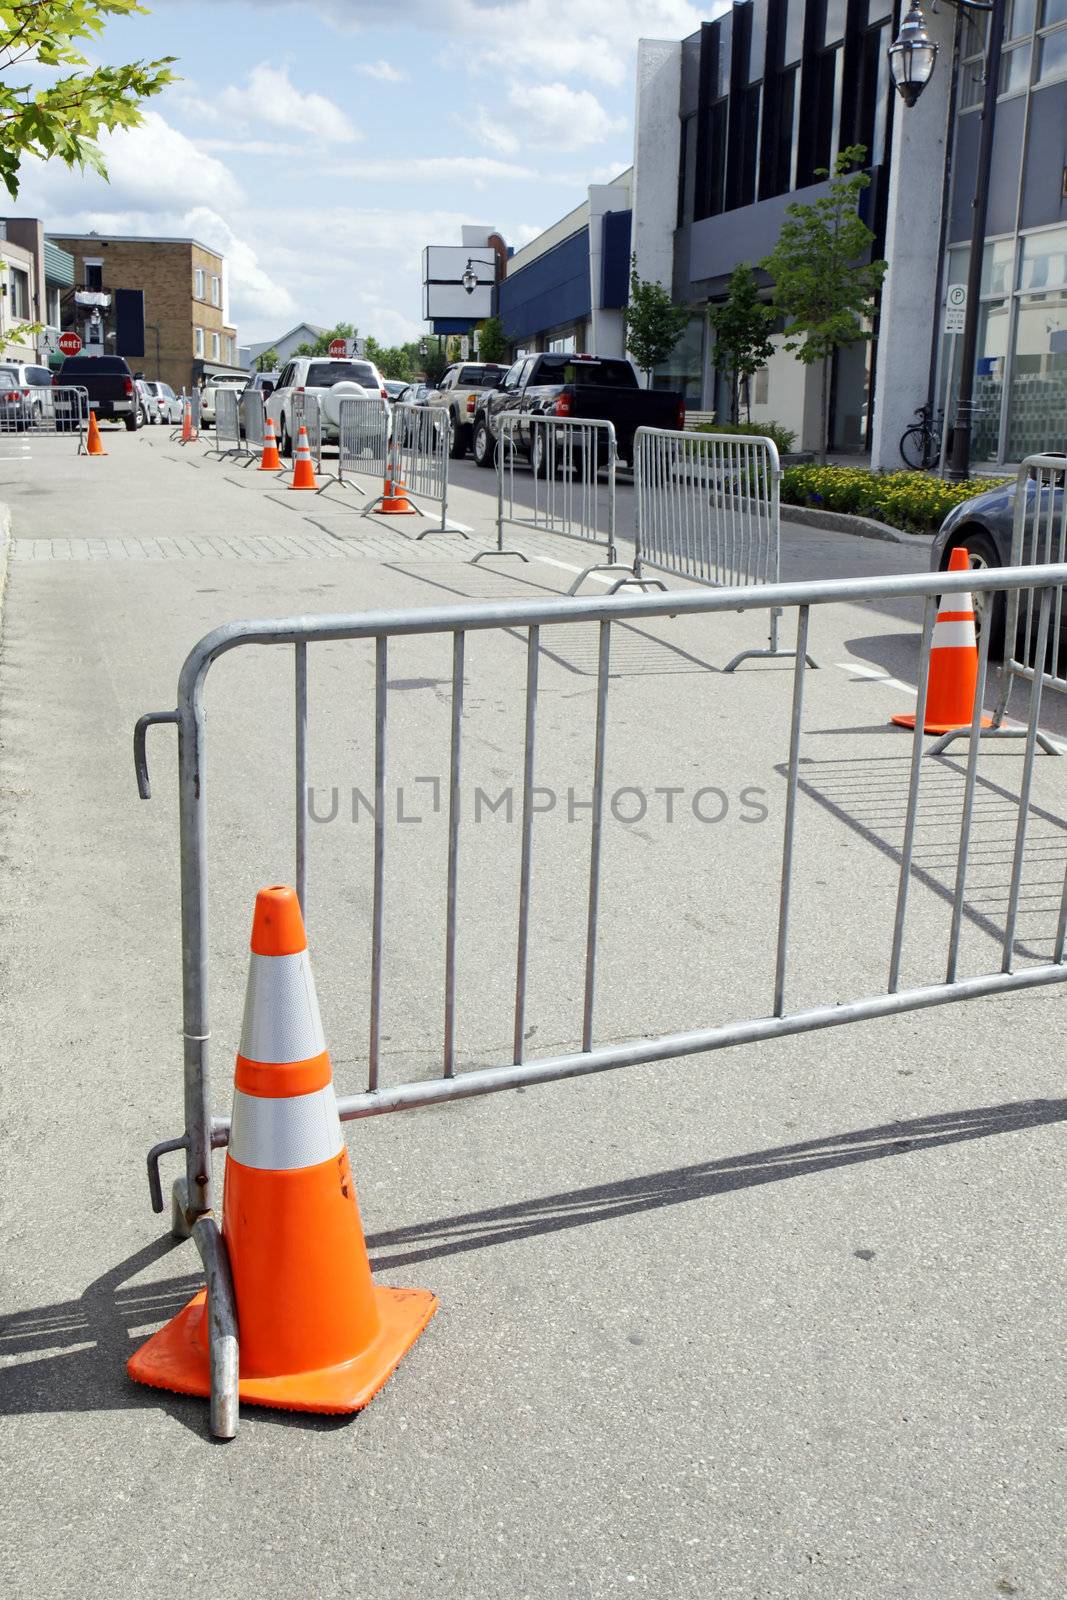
x=110 y=387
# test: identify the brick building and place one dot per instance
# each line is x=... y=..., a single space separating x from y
x=186 y=335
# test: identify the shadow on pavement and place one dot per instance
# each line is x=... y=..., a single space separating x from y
x=78 y=1348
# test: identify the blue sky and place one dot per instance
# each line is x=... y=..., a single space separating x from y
x=320 y=145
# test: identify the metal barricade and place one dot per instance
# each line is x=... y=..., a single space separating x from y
x=227 y=424
x=362 y=441
x=46 y=409
x=566 y=457
x=706 y=508
x=583 y=1054
x=418 y=464
x=1030 y=653
x=253 y=423
x=308 y=413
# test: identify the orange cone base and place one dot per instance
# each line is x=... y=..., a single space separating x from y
x=906 y=719
x=267 y=465
x=311 y=485
x=398 y=506
x=176 y=1358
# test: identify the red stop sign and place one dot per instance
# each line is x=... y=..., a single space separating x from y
x=338 y=347
x=69 y=344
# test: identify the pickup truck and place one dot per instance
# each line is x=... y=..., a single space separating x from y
x=110 y=386
x=458 y=392
x=584 y=387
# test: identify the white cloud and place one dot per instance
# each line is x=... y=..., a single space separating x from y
x=476 y=170
x=270 y=98
x=554 y=116
x=384 y=70
x=151 y=166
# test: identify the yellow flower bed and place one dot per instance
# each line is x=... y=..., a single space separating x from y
x=913 y=501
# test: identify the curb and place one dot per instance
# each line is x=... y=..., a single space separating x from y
x=858 y=527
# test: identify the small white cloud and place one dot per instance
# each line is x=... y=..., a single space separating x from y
x=495 y=134
x=556 y=115
x=384 y=70
x=270 y=98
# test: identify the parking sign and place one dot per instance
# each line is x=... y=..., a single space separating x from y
x=955 y=307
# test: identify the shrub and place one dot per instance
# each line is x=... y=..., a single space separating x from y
x=784 y=438
x=913 y=501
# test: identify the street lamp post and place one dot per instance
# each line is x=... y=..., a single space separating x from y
x=911 y=62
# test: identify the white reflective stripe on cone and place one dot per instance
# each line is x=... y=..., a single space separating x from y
x=953 y=635
x=281 y=1022
x=301 y=1130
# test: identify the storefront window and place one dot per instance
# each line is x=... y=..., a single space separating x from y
x=684 y=369
x=1037 y=414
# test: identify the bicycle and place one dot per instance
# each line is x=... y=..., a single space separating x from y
x=920 y=445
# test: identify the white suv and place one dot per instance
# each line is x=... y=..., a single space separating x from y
x=330 y=379
x=207 y=393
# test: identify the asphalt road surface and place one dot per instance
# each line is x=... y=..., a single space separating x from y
x=777 y=1321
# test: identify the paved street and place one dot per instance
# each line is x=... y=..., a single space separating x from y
x=777 y=1321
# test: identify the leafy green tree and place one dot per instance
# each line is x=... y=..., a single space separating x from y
x=455 y=349
x=825 y=285
x=654 y=324
x=392 y=361
x=742 y=324
x=321 y=345
x=266 y=361
x=433 y=363
x=493 y=342
x=61 y=119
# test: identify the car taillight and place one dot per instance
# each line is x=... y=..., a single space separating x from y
x=26 y=392
x=299 y=390
x=562 y=407
x=129 y=385
x=679 y=421
x=470 y=405
x=385 y=394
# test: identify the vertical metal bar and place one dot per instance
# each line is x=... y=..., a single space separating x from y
x=968 y=797
x=533 y=647
x=301 y=698
x=799 y=669
x=613 y=465
x=1024 y=788
x=908 y=845
x=594 y=845
x=192 y=806
x=1061 y=930
x=381 y=688
x=458 y=641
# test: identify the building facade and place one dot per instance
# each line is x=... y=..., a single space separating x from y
x=284 y=346
x=568 y=288
x=34 y=277
x=187 y=336
x=735 y=122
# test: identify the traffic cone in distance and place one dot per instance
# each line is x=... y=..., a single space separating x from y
x=270 y=461
x=303 y=470
x=187 y=423
x=395 y=502
x=953 y=677
x=316 y=1334
x=93 y=443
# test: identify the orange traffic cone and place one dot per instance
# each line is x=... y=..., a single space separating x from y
x=303 y=471
x=953 y=676
x=270 y=461
x=316 y=1334
x=394 y=502
x=93 y=446
x=188 y=432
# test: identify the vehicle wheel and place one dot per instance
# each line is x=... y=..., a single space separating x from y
x=457 y=438
x=484 y=445
x=983 y=554
x=916 y=448
x=286 y=448
x=541 y=459
x=132 y=423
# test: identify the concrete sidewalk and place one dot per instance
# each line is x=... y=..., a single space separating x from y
x=771 y=1322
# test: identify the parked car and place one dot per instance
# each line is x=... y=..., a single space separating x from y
x=394 y=387
x=168 y=404
x=585 y=387
x=16 y=407
x=331 y=380
x=26 y=375
x=221 y=380
x=148 y=402
x=263 y=383
x=413 y=394
x=984 y=525
x=110 y=386
x=458 y=392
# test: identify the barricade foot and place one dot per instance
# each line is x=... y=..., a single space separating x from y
x=753 y=655
x=613 y=566
x=448 y=527
x=341 y=483
x=475 y=559
x=1044 y=743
